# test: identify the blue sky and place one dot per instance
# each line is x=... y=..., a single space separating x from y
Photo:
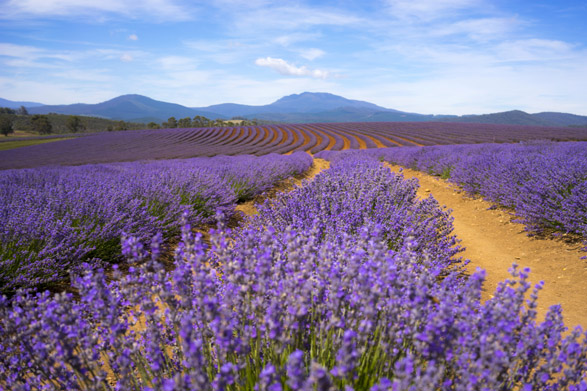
x=425 y=56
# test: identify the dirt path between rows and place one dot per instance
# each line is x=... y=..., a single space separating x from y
x=248 y=208
x=493 y=243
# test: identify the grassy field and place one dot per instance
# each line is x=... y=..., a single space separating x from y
x=19 y=134
x=25 y=143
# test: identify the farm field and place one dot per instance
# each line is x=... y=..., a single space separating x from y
x=354 y=278
x=12 y=144
x=260 y=140
x=55 y=219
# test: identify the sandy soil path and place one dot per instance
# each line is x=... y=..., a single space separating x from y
x=493 y=243
x=248 y=208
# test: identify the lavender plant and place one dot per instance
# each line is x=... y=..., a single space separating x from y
x=289 y=303
x=545 y=183
x=54 y=219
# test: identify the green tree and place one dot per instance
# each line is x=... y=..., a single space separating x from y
x=171 y=123
x=22 y=111
x=74 y=123
x=121 y=125
x=185 y=123
x=6 y=121
x=153 y=125
x=200 y=122
x=41 y=124
x=7 y=110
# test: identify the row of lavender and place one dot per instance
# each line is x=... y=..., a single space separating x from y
x=52 y=219
x=259 y=140
x=349 y=282
x=544 y=182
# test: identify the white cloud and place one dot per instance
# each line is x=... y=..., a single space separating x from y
x=288 y=39
x=429 y=9
x=285 y=68
x=534 y=50
x=292 y=18
x=19 y=51
x=311 y=54
x=20 y=56
x=478 y=29
x=161 y=9
x=110 y=54
x=133 y=37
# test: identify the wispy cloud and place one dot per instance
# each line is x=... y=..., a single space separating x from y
x=30 y=56
x=160 y=9
x=534 y=50
x=285 y=68
x=311 y=54
x=479 y=29
x=289 y=39
x=292 y=18
x=429 y=9
x=133 y=37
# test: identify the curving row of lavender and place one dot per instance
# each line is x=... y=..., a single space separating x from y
x=52 y=219
x=260 y=140
x=307 y=296
x=544 y=182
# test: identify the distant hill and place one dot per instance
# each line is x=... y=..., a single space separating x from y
x=315 y=102
x=304 y=103
x=514 y=117
x=16 y=105
x=562 y=119
x=297 y=108
x=136 y=108
x=518 y=117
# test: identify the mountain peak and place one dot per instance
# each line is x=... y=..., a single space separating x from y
x=309 y=102
x=310 y=95
x=131 y=97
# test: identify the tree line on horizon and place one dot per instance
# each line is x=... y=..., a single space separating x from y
x=202 y=122
x=44 y=124
x=52 y=123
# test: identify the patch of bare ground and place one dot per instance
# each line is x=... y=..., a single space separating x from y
x=248 y=208
x=494 y=242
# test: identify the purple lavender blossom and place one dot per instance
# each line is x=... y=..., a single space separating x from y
x=304 y=296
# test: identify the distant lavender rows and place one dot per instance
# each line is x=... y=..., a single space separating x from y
x=259 y=140
x=347 y=283
x=52 y=219
x=544 y=182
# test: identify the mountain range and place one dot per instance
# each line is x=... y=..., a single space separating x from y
x=297 y=108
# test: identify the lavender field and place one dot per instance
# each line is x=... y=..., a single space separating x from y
x=348 y=282
x=108 y=147
x=543 y=183
x=55 y=219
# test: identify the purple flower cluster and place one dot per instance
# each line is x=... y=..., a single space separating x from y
x=53 y=219
x=545 y=183
x=288 y=302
